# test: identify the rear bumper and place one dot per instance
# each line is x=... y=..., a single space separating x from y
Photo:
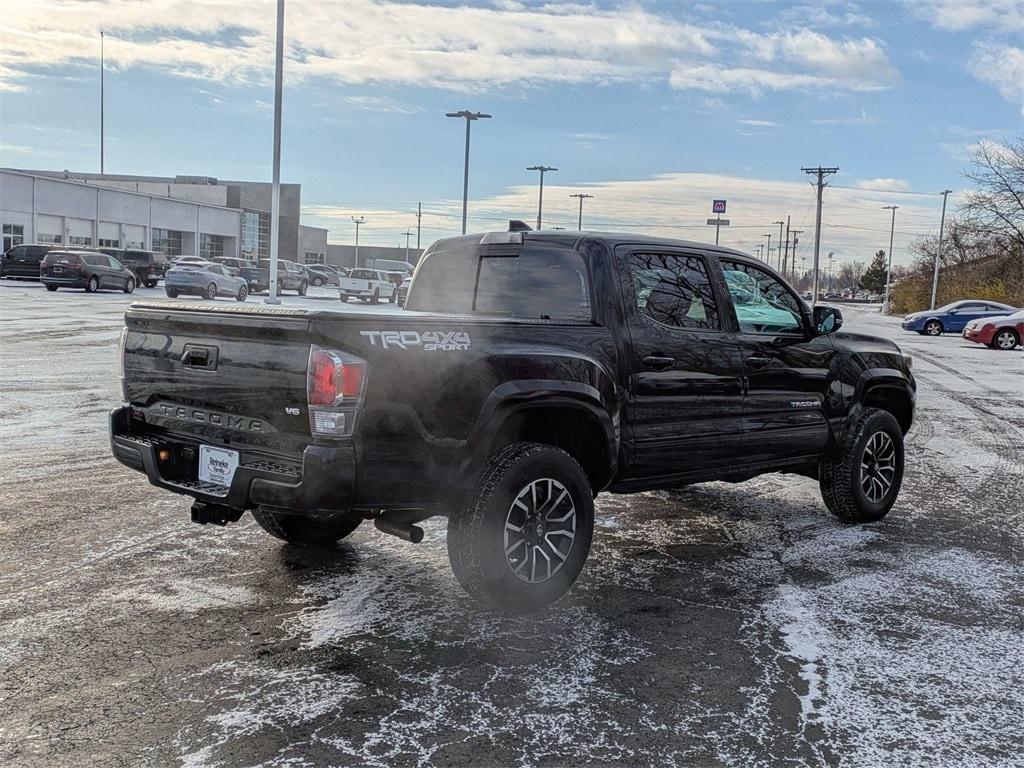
x=324 y=481
x=65 y=282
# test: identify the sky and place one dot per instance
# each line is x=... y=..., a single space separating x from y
x=654 y=108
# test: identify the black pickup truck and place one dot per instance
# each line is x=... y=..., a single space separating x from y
x=530 y=371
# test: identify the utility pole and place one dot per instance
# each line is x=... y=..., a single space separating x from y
x=102 y=100
x=581 y=196
x=785 y=255
x=888 y=268
x=796 y=240
x=779 y=249
x=469 y=118
x=768 y=250
x=275 y=191
x=821 y=173
x=938 y=250
x=760 y=250
x=419 y=222
x=408 y=234
x=540 y=199
x=357 y=220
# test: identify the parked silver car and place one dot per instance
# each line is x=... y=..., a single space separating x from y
x=207 y=280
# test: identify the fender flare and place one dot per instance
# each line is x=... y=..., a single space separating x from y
x=874 y=379
x=521 y=395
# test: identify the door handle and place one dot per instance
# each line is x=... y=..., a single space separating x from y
x=659 y=363
x=757 y=361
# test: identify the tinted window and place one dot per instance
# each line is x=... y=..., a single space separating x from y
x=95 y=259
x=61 y=258
x=763 y=303
x=674 y=290
x=114 y=263
x=363 y=274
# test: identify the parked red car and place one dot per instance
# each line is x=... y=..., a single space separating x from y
x=1001 y=332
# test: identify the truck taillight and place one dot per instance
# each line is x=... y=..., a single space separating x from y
x=334 y=388
x=120 y=363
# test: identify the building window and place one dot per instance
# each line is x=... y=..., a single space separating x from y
x=167 y=241
x=312 y=257
x=14 y=234
x=264 y=235
x=250 y=235
x=211 y=246
x=105 y=243
x=79 y=240
x=49 y=239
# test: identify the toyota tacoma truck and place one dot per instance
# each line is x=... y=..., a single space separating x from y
x=529 y=372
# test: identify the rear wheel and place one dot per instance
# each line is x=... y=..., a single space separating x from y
x=933 y=328
x=522 y=541
x=860 y=484
x=317 y=281
x=375 y=299
x=1005 y=339
x=92 y=285
x=303 y=529
x=243 y=293
x=211 y=291
x=303 y=288
x=129 y=285
x=51 y=287
x=151 y=283
x=171 y=293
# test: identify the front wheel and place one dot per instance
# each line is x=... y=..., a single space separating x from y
x=303 y=529
x=129 y=285
x=522 y=542
x=303 y=288
x=933 y=328
x=171 y=293
x=151 y=283
x=211 y=291
x=51 y=288
x=243 y=293
x=861 y=483
x=93 y=285
x=318 y=282
x=1006 y=339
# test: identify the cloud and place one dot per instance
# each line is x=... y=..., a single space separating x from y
x=1001 y=66
x=884 y=185
x=380 y=104
x=960 y=15
x=758 y=123
x=862 y=119
x=455 y=47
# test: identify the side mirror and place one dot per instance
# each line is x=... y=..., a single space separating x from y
x=827 y=320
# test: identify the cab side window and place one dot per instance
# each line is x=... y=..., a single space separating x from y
x=763 y=303
x=674 y=290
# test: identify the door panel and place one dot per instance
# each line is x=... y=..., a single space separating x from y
x=685 y=385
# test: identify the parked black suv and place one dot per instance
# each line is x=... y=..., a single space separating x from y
x=149 y=266
x=89 y=270
x=535 y=370
x=22 y=261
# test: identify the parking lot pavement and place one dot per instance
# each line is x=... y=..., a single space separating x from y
x=715 y=625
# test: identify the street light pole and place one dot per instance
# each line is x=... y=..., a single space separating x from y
x=102 y=100
x=581 y=196
x=794 y=233
x=888 y=267
x=408 y=234
x=540 y=199
x=357 y=220
x=779 y=249
x=275 y=193
x=768 y=250
x=469 y=117
x=938 y=250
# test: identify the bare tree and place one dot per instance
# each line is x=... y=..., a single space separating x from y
x=850 y=275
x=996 y=205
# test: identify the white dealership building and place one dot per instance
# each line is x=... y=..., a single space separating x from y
x=43 y=209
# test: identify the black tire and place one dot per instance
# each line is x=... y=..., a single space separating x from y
x=1005 y=339
x=243 y=293
x=151 y=283
x=92 y=285
x=171 y=293
x=841 y=477
x=303 y=288
x=211 y=291
x=317 y=282
x=129 y=285
x=477 y=534
x=375 y=299
x=305 y=530
x=933 y=328
x=51 y=287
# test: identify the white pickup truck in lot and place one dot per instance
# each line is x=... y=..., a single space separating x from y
x=372 y=284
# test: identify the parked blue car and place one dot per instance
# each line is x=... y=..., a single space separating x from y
x=953 y=317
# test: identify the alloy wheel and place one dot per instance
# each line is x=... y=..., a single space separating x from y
x=1006 y=340
x=878 y=467
x=933 y=328
x=211 y=291
x=540 y=528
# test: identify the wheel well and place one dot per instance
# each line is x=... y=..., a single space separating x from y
x=574 y=430
x=894 y=401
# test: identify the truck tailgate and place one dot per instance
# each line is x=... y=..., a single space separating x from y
x=229 y=377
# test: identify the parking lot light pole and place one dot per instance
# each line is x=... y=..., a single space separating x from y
x=581 y=196
x=540 y=199
x=938 y=248
x=768 y=250
x=408 y=234
x=779 y=248
x=469 y=117
x=275 y=195
x=357 y=220
x=888 y=267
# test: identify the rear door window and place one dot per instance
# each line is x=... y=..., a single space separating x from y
x=674 y=290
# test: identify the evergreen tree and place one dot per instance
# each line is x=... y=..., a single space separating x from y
x=874 y=276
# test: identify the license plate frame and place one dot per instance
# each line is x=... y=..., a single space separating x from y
x=217 y=465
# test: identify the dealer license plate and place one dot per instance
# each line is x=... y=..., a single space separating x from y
x=217 y=465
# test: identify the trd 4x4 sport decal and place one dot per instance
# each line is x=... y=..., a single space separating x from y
x=430 y=341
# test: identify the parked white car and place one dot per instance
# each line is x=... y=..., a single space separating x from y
x=370 y=284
